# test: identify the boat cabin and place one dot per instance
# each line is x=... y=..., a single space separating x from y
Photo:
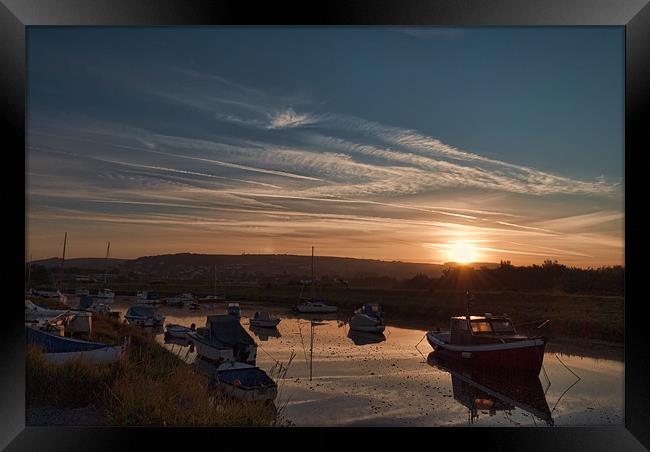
x=372 y=310
x=481 y=329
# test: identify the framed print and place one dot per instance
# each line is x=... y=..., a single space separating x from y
x=365 y=214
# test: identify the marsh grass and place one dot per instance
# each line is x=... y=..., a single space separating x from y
x=149 y=386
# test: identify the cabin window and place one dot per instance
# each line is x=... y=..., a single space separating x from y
x=481 y=326
x=502 y=326
x=461 y=325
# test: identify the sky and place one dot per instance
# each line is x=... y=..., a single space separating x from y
x=412 y=144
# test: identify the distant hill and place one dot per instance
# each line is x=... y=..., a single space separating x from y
x=189 y=265
x=278 y=264
x=82 y=262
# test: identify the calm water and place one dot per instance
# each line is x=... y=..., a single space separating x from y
x=374 y=381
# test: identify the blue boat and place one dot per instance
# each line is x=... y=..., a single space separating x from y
x=59 y=349
x=245 y=382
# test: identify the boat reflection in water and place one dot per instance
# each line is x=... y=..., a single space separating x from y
x=365 y=338
x=264 y=333
x=492 y=391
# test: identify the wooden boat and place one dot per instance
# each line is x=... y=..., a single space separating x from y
x=264 y=320
x=58 y=349
x=369 y=319
x=245 y=382
x=143 y=316
x=489 y=342
x=224 y=339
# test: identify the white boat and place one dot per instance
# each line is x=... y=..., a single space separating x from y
x=315 y=306
x=368 y=319
x=212 y=299
x=58 y=349
x=147 y=297
x=224 y=339
x=179 y=331
x=175 y=301
x=143 y=316
x=34 y=312
x=245 y=382
x=264 y=320
x=106 y=295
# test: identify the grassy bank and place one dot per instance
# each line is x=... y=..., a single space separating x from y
x=149 y=386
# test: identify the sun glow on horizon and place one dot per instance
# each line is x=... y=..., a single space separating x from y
x=462 y=252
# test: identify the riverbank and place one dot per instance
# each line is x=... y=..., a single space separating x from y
x=149 y=386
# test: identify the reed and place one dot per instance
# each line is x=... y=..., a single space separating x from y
x=150 y=386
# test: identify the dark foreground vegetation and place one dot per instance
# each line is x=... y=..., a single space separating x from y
x=149 y=386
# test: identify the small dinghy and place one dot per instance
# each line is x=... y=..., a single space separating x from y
x=368 y=319
x=245 y=382
x=264 y=320
x=59 y=349
x=179 y=331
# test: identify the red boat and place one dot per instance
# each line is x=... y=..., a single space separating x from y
x=489 y=341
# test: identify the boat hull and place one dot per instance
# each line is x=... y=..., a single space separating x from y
x=368 y=328
x=521 y=356
x=100 y=356
x=208 y=351
x=271 y=323
x=257 y=394
x=315 y=310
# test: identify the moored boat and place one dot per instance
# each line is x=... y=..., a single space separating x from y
x=368 y=319
x=143 y=316
x=106 y=295
x=315 y=307
x=224 y=339
x=264 y=320
x=58 y=349
x=233 y=309
x=148 y=297
x=179 y=331
x=489 y=341
x=245 y=382
x=175 y=301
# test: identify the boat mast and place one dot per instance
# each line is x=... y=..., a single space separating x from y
x=65 y=241
x=106 y=262
x=311 y=348
x=29 y=270
x=313 y=282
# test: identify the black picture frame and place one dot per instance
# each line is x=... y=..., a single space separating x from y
x=634 y=15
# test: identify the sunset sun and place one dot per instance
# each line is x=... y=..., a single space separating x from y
x=462 y=252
